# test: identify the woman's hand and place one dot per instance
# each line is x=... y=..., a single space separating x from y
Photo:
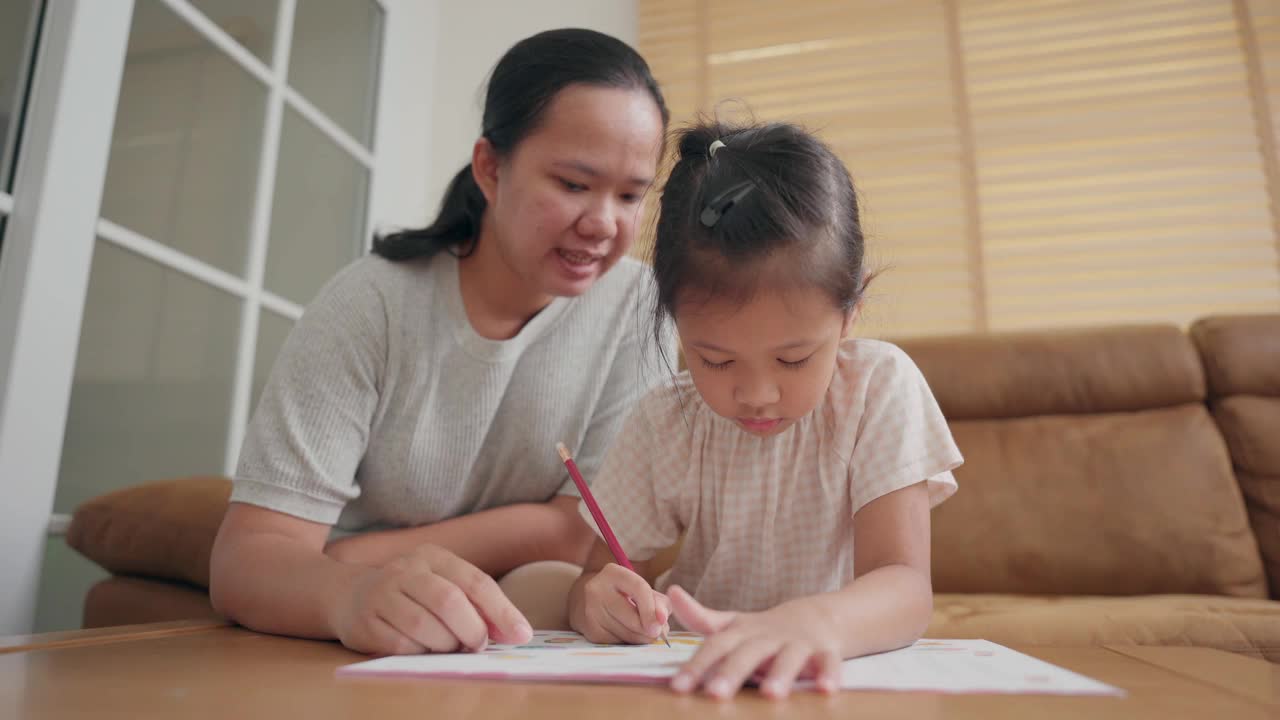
x=777 y=646
x=618 y=606
x=427 y=600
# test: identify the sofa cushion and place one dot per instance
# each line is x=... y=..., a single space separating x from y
x=1246 y=626
x=1010 y=375
x=1251 y=426
x=1241 y=353
x=133 y=601
x=161 y=529
x=1242 y=358
x=1115 y=504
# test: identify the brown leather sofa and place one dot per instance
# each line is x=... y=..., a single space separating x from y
x=1121 y=485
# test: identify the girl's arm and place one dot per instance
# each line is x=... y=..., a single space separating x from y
x=600 y=602
x=496 y=540
x=890 y=602
x=887 y=606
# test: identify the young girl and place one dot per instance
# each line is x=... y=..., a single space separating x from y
x=799 y=467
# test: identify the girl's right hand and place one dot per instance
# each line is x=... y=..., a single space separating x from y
x=428 y=600
x=620 y=607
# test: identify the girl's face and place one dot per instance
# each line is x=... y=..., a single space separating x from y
x=563 y=206
x=767 y=363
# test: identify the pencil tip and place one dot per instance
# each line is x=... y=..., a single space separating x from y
x=564 y=451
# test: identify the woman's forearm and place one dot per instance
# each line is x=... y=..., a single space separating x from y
x=273 y=583
x=496 y=540
x=886 y=609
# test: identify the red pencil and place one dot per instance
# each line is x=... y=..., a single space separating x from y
x=609 y=538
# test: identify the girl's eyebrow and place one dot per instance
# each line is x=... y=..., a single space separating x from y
x=787 y=346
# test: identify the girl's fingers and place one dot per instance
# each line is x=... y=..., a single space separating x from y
x=699 y=668
x=646 y=610
x=694 y=616
x=616 y=630
x=622 y=619
x=782 y=674
x=662 y=604
x=738 y=666
x=828 y=677
x=628 y=598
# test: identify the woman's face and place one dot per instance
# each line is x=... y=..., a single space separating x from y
x=564 y=205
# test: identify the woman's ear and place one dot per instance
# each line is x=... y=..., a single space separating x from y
x=484 y=168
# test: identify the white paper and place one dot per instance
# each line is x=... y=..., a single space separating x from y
x=941 y=666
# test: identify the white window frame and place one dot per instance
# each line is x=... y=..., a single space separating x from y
x=54 y=222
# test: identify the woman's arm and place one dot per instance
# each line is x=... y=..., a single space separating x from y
x=887 y=606
x=496 y=540
x=268 y=573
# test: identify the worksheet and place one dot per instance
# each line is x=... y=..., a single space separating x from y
x=942 y=666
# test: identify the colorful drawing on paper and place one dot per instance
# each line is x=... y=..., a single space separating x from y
x=947 y=666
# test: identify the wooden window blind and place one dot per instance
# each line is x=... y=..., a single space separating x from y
x=1021 y=163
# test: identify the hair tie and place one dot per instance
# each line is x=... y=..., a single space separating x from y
x=715 y=145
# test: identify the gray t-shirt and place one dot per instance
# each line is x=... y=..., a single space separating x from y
x=385 y=408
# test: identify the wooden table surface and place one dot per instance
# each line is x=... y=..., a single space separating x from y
x=204 y=669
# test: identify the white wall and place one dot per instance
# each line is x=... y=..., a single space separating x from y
x=405 y=119
x=471 y=36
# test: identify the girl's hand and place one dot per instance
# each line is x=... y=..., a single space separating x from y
x=780 y=645
x=620 y=607
x=428 y=600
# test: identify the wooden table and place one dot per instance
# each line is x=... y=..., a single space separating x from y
x=206 y=669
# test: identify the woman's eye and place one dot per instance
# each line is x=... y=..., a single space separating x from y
x=572 y=186
x=630 y=198
x=795 y=364
x=714 y=365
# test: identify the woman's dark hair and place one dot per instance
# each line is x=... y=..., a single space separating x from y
x=521 y=87
x=769 y=207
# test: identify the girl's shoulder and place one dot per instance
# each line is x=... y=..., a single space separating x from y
x=870 y=373
x=874 y=362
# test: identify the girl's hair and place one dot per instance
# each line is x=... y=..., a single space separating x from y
x=770 y=207
x=521 y=87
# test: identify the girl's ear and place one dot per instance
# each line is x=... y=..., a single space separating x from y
x=484 y=168
x=850 y=318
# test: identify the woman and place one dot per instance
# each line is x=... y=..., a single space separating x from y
x=425 y=387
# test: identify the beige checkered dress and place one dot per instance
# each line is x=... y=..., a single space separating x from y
x=770 y=519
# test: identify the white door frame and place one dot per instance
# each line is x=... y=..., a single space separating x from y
x=44 y=272
x=55 y=223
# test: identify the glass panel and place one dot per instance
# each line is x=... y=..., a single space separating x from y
x=251 y=22
x=317 y=221
x=151 y=396
x=184 y=154
x=65 y=578
x=18 y=23
x=272 y=331
x=333 y=60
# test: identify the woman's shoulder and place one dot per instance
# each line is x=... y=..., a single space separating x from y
x=374 y=283
x=672 y=404
x=624 y=285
